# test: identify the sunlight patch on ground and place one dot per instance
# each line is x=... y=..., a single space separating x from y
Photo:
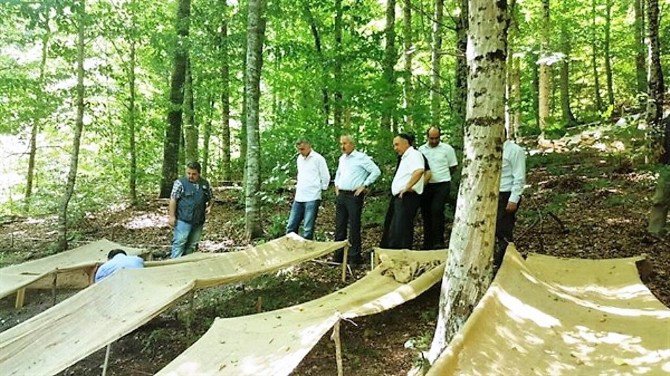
x=146 y=220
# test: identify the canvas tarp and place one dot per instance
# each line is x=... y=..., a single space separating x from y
x=71 y=267
x=554 y=316
x=274 y=343
x=108 y=310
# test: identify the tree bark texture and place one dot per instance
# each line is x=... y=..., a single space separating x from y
x=173 y=131
x=564 y=83
x=190 y=129
x=460 y=93
x=132 y=117
x=337 y=70
x=388 y=111
x=255 y=36
x=409 y=54
x=78 y=129
x=436 y=60
x=226 y=168
x=594 y=58
x=608 y=54
x=545 y=69
x=640 y=56
x=513 y=87
x=469 y=261
x=206 y=137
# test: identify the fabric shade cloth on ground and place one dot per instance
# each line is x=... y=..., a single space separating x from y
x=73 y=262
x=555 y=316
x=57 y=338
x=274 y=343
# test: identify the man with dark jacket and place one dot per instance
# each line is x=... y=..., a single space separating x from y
x=190 y=200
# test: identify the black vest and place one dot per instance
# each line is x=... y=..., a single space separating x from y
x=191 y=205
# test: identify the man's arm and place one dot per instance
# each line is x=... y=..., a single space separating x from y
x=416 y=175
x=172 y=212
x=519 y=179
x=373 y=174
x=325 y=174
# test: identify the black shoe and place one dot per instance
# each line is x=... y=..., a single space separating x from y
x=337 y=257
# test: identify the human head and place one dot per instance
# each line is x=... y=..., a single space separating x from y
x=115 y=252
x=347 y=144
x=304 y=147
x=193 y=171
x=402 y=142
x=433 y=134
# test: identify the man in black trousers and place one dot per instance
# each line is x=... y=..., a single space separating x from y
x=355 y=173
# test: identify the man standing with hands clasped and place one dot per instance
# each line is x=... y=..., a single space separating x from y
x=313 y=177
x=512 y=183
x=190 y=200
x=442 y=160
x=355 y=173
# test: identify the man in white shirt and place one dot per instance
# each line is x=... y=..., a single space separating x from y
x=406 y=189
x=117 y=259
x=313 y=177
x=512 y=183
x=355 y=173
x=442 y=160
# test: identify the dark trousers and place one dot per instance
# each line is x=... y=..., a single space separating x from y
x=504 y=228
x=401 y=227
x=433 y=200
x=348 y=209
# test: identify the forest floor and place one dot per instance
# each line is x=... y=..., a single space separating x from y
x=588 y=197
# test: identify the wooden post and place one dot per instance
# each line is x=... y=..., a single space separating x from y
x=189 y=316
x=372 y=260
x=104 y=366
x=54 y=283
x=20 y=298
x=338 y=348
x=344 y=263
x=259 y=304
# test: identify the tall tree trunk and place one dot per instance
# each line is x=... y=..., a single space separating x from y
x=36 y=122
x=409 y=53
x=660 y=134
x=255 y=36
x=78 y=129
x=173 y=130
x=469 y=261
x=324 y=74
x=243 y=118
x=566 y=110
x=225 y=100
x=461 y=70
x=132 y=116
x=337 y=70
x=206 y=136
x=594 y=57
x=388 y=125
x=512 y=90
x=545 y=69
x=436 y=59
x=640 y=60
x=608 y=55
x=535 y=85
x=190 y=129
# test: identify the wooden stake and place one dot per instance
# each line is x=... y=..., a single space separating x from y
x=54 y=283
x=104 y=366
x=344 y=264
x=259 y=304
x=338 y=348
x=20 y=298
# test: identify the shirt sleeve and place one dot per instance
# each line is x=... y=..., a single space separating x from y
x=324 y=174
x=518 y=175
x=373 y=169
x=451 y=157
x=417 y=162
x=177 y=190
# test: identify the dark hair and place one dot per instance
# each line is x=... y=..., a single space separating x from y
x=115 y=252
x=301 y=141
x=194 y=166
x=439 y=131
x=407 y=136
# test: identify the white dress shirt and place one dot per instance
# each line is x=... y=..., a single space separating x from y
x=440 y=159
x=313 y=177
x=513 y=174
x=410 y=161
x=355 y=169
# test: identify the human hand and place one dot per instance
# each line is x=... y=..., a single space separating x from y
x=359 y=190
x=511 y=207
x=171 y=221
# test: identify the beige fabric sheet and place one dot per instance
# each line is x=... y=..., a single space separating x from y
x=69 y=265
x=553 y=316
x=274 y=343
x=122 y=302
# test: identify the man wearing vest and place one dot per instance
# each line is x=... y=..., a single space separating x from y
x=190 y=200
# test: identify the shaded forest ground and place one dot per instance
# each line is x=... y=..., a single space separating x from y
x=588 y=198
